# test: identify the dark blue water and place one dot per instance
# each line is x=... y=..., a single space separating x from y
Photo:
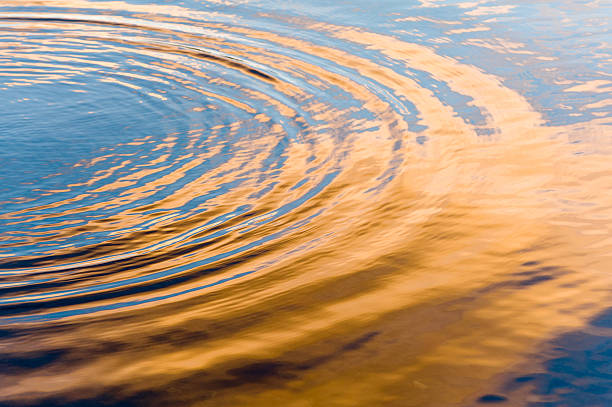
x=245 y=203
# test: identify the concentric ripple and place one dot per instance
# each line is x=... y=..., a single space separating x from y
x=201 y=150
x=183 y=190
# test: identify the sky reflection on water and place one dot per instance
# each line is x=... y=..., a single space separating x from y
x=305 y=204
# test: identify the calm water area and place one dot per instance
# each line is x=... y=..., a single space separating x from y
x=305 y=203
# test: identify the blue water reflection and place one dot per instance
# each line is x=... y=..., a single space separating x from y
x=305 y=203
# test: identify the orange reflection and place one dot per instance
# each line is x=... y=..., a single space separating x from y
x=473 y=254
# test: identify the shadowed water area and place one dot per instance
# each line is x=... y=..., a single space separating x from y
x=305 y=203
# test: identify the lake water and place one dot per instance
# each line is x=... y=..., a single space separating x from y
x=305 y=203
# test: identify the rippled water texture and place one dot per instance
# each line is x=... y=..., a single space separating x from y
x=305 y=203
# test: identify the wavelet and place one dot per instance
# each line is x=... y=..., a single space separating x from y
x=221 y=203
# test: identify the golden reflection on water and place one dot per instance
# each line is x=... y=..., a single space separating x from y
x=424 y=293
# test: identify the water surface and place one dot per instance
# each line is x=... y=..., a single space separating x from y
x=254 y=203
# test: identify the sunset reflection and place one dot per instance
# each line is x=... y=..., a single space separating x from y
x=237 y=203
